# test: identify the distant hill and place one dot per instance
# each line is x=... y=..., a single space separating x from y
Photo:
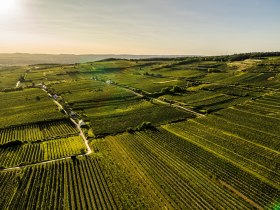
x=26 y=59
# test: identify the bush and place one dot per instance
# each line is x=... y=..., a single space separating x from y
x=129 y=130
x=203 y=111
x=176 y=89
x=90 y=133
x=83 y=151
x=144 y=126
x=12 y=143
x=24 y=164
x=165 y=91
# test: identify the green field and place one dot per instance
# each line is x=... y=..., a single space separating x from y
x=156 y=133
x=27 y=106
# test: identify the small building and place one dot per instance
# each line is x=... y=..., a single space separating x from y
x=73 y=114
x=82 y=123
x=55 y=97
x=109 y=82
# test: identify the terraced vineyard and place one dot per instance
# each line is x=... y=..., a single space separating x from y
x=180 y=133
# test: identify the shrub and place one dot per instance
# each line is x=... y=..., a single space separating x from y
x=83 y=151
x=12 y=144
x=144 y=125
x=24 y=164
x=129 y=130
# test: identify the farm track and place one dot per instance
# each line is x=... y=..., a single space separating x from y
x=254 y=204
x=89 y=151
x=18 y=83
x=162 y=102
x=180 y=107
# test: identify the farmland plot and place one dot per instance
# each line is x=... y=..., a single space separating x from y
x=25 y=107
x=37 y=152
x=38 y=131
x=115 y=118
x=146 y=153
x=83 y=183
x=188 y=175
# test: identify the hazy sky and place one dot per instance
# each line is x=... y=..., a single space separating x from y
x=188 y=27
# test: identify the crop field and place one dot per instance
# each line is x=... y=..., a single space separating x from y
x=105 y=105
x=37 y=132
x=67 y=185
x=86 y=92
x=135 y=75
x=122 y=116
x=181 y=160
x=240 y=91
x=147 y=83
x=156 y=133
x=39 y=152
x=247 y=137
x=55 y=73
x=206 y=101
x=9 y=75
x=26 y=106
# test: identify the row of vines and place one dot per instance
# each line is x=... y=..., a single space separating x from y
x=81 y=183
x=37 y=132
x=38 y=152
x=194 y=176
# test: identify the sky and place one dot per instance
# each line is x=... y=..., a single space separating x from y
x=150 y=27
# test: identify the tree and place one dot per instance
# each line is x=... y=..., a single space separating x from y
x=176 y=89
x=21 y=78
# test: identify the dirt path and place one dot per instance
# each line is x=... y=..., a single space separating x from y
x=129 y=90
x=89 y=151
x=179 y=107
x=18 y=83
x=174 y=80
x=44 y=162
x=33 y=164
x=165 y=103
x=257 y=206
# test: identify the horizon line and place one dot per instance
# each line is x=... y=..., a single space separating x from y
x=128 y=54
